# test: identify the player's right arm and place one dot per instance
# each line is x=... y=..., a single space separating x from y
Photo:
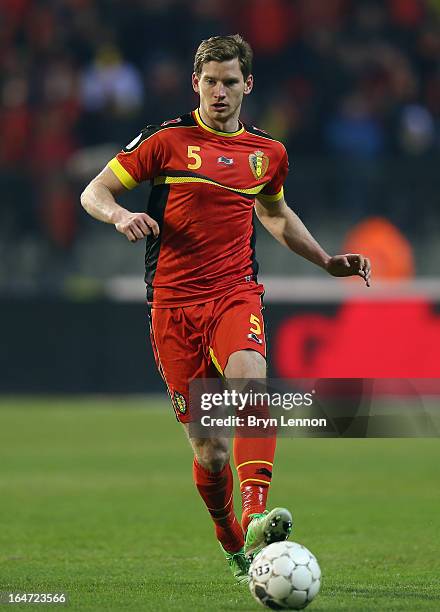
x=99 y=197
x=99 y=200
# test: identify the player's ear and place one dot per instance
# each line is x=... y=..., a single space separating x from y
x=248 y=84
x=195 y=82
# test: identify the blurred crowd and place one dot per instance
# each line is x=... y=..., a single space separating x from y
x=341 y=79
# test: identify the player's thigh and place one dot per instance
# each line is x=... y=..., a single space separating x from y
x=179 y=355
x=237 y=338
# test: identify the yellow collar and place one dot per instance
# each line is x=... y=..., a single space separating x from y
x=203 y=125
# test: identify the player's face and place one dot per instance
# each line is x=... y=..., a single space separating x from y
x=221 y=87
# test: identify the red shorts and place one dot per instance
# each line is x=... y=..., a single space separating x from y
x=196 y=341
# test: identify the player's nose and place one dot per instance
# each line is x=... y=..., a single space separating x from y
x=220 y=90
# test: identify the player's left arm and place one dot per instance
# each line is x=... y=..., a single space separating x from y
x=284 y=225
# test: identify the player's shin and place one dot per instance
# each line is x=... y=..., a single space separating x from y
x=253 y=459
x=216 y=490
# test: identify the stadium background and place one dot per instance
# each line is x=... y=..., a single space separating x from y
x=353 y=89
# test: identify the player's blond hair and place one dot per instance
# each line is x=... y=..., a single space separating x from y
x=224 y=48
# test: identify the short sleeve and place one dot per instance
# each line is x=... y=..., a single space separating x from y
x=141 y=160
x=273 y=191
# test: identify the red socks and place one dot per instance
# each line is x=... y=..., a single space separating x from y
x=254 y=460
x=216 y=490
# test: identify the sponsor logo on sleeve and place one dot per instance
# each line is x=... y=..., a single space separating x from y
x=131 y=145
x=171 y=121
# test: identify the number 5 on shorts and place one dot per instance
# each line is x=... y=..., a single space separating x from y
x=255 y=325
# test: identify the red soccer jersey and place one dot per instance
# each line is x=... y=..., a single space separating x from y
x=204 y=184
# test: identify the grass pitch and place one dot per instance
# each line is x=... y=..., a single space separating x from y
x=97 y=500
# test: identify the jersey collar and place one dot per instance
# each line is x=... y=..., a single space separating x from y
x=203 y=125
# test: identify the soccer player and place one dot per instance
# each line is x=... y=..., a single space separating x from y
x=209 y=174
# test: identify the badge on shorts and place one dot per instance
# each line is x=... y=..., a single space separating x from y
x=259 y=163
x=179 y=402
x=255 y=338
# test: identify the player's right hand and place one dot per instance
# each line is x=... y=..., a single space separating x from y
x=135 y=226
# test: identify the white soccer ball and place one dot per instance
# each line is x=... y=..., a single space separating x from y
x=284 y=576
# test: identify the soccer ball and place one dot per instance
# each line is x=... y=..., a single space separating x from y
x=284 y=576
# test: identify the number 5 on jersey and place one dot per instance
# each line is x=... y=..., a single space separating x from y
x=193 y=155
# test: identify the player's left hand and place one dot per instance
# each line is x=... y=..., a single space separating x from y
x=350 y=264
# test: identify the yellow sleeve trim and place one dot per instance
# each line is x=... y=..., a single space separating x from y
x=272 y=198
x=126 y=179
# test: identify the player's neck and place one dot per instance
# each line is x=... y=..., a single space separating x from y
x=232 y=124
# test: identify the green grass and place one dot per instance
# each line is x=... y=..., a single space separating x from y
x=97 y=499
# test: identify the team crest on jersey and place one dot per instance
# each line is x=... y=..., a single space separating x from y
x=179 y=402
x=259 y=163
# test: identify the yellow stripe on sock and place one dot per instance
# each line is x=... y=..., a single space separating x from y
x=267 y=482
x=255 y=461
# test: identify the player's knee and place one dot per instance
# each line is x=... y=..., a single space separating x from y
x=213 y=455
x=246 y=364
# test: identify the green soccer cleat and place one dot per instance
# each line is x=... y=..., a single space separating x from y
x=239 y=565
x=265 y=528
